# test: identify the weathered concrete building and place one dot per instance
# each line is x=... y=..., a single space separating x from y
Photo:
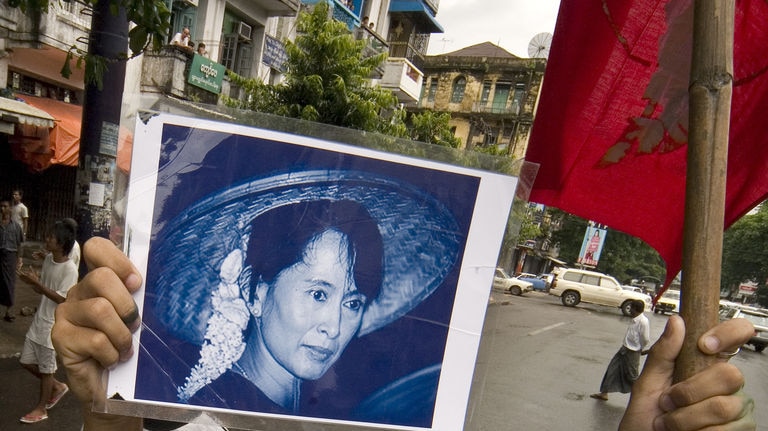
x=490 y=93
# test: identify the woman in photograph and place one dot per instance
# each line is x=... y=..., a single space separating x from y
x=286 y=271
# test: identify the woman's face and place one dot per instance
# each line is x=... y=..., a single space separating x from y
x=313 y=308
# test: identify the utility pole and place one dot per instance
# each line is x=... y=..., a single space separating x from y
x=101 y=122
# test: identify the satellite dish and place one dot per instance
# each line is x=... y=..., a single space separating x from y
x=539 y=45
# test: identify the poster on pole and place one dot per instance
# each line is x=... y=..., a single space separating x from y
x=592 y=246
x=290 y=279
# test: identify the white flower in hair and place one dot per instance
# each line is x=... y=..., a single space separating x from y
x=223 y=343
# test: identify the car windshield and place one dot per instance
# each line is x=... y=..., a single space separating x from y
x=672 y=294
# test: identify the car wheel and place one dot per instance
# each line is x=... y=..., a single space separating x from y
x=626 y=308
x=570 y=298
x=515 y=290
x=759 y=347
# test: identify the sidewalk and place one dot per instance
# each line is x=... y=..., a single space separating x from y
x=19 y=390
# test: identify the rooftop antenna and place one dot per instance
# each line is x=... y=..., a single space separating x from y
x=446 y=40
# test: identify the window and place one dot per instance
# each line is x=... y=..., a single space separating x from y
x=500 y=97
x=236 y=55
x=590 y=279
x=457 y=95
x=518 y=98
x=486 y=92
x=607 y=282
x=490 y=136
x=432 y=90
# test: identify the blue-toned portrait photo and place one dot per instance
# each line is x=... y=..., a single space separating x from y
x=293 y=279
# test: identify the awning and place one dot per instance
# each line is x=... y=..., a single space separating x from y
x=45 y=63
x=13 y=111
x=419 y=13
x=64 y=139
x=62 y=147
x=557 y=261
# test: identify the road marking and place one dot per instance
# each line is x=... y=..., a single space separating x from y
x=546 y=328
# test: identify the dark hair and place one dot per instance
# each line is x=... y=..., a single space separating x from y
x=64 y=233
x=280 y=236
x=637 y=306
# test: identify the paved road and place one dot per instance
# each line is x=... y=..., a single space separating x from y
x=539 y=361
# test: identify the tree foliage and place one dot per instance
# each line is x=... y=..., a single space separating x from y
x=745 y=257
x=327 y=80
x=623 y=256
x=432 y=127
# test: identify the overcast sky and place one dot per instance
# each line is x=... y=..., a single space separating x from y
x=508 y=23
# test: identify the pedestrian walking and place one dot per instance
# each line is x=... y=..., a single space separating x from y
x=11 y=237
x=38 y=357
x=19 y=212
x=624 y=368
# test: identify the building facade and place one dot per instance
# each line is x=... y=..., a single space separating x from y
x=490 y=93
x=39 y=134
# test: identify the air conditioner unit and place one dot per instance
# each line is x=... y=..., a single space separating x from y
x=244 y=31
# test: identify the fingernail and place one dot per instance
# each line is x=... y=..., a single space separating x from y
x=658 y=424
x=124 y=356
x=133 y=320
x=666 y=403
x=133 y=282
x=711 y=343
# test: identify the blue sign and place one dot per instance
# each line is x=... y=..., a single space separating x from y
x=274 y=54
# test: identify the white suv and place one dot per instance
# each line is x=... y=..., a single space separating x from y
x=577 y=285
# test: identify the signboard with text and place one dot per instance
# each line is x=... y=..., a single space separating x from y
x=206 y=74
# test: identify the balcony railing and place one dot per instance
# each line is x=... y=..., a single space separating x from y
x=513 y=108
x=340 y=13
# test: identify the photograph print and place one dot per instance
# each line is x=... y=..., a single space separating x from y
x=301 y=278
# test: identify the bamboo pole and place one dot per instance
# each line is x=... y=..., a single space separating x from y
x=709 y=118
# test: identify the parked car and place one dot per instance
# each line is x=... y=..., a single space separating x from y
x=576 y=285
x=537 y=281
x=548 y=278
x=513 y=285
x=759 y=320
x=632 y=288
x=668 y=302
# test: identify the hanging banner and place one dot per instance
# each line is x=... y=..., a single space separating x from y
x=592 y=246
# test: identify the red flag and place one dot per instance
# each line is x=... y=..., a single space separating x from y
x=611 y=128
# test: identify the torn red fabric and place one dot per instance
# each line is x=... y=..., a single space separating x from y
x=611 y=129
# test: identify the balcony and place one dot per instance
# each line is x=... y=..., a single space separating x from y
x=279 y=7
x=375 y=45
x=403 y=79
x=512 y=108
x=166 y=71
x=420 y=12
x=340 y=13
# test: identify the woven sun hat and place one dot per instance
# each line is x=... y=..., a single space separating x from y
x=421 y=243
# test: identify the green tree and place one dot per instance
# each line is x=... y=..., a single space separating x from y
x=432 y=127
x=327 y=80
x=623 y=256
x=744 y=252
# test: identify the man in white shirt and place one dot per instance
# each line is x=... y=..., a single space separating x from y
x=624 y=368
x=19 y=212
x=182 y=39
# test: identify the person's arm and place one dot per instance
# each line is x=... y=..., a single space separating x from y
x=713 y=397
x=93 y=330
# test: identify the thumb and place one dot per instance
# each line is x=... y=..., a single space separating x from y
x=656 y=377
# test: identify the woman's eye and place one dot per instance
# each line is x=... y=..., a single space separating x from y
x=318 y=295
x=354 y=304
